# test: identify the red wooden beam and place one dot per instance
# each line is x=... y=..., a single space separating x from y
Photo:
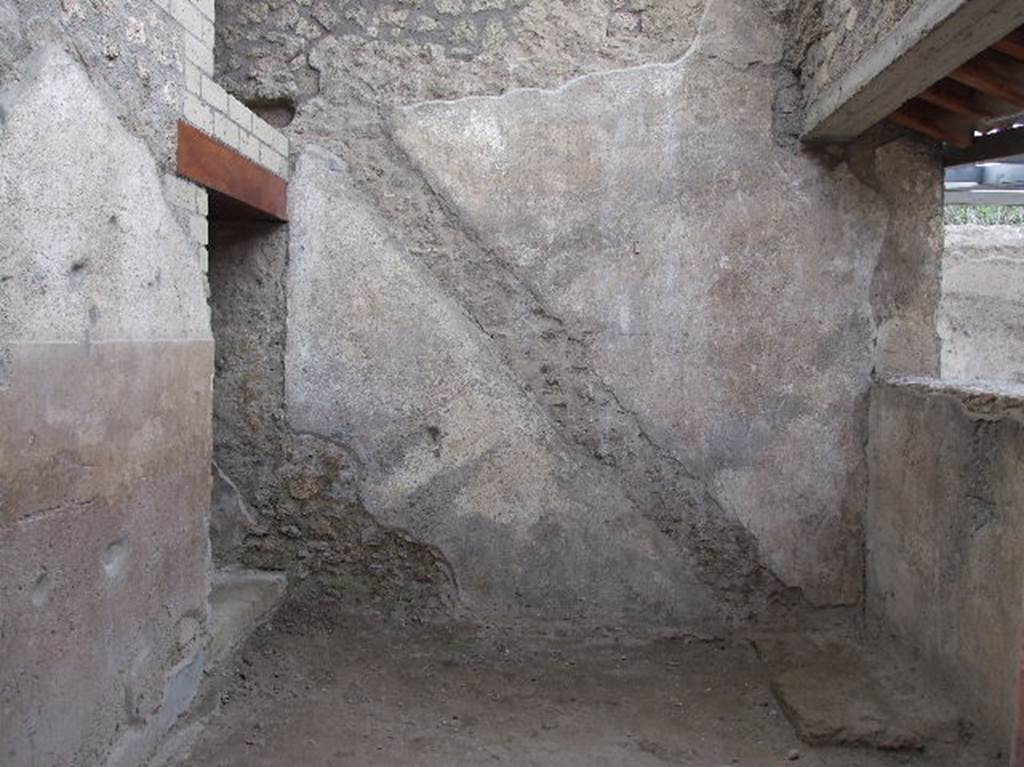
x=954 y=97
x=209 y=163
x=996 y=74
x=1012 y=45
x=933 y=122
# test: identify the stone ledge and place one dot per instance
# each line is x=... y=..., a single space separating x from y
x=991 y=399
x=240 y=601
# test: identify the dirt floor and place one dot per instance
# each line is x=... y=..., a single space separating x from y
x=385 y=694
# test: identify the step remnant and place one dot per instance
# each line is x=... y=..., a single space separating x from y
x=240 y=601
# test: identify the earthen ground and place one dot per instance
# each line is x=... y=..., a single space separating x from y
x=380 y=693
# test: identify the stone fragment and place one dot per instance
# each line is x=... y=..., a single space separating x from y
x=848 y=699
x=230 y=517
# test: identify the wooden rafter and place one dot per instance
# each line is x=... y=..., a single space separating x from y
x=956 y=98
x=933 y=122
x=995 y=74
x=983 y=95
x=1012 y=45
x=933 y=39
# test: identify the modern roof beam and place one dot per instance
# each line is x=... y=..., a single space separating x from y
x=935 y=39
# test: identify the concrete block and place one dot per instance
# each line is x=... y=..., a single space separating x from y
x=240 y=113
x=249 y=146
x=199 y=53
x=198 y=112
x=193 y=78
x=207 y=7
x=263 y=131
x=279 y=142
x=225 y=130
x=274 y=162
x=214 y=95
x=208 y=33
x=179 y=192
x=188 y=15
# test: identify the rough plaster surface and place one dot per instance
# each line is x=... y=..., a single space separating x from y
x=451 y=448
x=103 y=520
x=308 y=518
x=701 y=462
x=829 y=36
x=368 y=693
x=944 y=536
x=104 y=407
x=865 y=696
x=240 y=601
x=907 y=283
x=133 y=50
x=733 y=321
x=413 y=50
x=79 y=260
x=982 y=316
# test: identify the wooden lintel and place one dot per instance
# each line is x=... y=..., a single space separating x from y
x=934 y=123
x=932 y=40
x=995 y=146
x=994 y=74
x=204 y=160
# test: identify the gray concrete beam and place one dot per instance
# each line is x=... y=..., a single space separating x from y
x=925 y=46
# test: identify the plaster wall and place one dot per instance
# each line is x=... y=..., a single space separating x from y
x=945 y=537
x=302 y=490
x=982 y=315
x=605 y=199
x=105 y=367
x=688 y=307
x=453 y=450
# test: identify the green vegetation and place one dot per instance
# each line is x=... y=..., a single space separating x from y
x=986 y=215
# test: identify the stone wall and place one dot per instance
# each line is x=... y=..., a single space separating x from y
x=945 y=536
x=982 y=316
x=828 y=37
x=574 y=251
x=105 y=366
x=307 y=515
